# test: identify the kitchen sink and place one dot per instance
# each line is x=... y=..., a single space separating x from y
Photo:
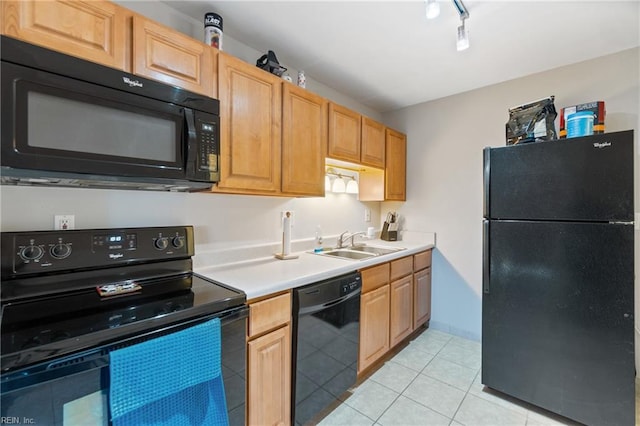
x=348 y=254
x=377 y=251
x=359 y=252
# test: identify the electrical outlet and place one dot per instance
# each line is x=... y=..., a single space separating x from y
x=64 y=222
x=367 y=215
x=291 y=217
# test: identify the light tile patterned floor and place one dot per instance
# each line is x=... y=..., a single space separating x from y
x=435 y=380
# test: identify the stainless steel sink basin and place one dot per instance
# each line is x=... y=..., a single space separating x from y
x=349 y=254
x=358 y=252
x=378 y=251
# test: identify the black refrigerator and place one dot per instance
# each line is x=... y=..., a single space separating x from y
x=558 y=276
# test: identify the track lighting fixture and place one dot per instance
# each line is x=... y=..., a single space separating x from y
x=433 y=10
x=462 y=42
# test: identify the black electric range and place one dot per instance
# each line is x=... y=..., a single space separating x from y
x=64 y=292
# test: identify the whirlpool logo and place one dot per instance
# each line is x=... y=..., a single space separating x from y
x=115 y=255
x=601 y=144
x=131 y=83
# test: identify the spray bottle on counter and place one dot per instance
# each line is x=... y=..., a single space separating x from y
x=318 y=246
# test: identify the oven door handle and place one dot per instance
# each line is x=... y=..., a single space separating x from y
x=319 y=307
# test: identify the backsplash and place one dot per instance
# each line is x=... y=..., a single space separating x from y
x=221 y=221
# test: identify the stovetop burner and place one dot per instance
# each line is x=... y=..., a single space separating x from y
x=53 y=307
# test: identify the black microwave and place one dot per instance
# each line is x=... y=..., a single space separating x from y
x=70 y=122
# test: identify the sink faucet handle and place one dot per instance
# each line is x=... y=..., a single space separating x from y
x=354 y=235
x=341 y=239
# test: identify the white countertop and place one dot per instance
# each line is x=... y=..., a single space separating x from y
x=266 y=275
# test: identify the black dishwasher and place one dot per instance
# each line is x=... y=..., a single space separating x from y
x=326 y=327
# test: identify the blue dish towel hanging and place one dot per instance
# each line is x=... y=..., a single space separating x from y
x=173 y=380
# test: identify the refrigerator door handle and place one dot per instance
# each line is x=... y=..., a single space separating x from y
x=486 y=176
x=485 y=257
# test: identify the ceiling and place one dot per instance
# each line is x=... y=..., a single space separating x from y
x=387 y=55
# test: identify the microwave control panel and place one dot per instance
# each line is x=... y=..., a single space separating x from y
x=205 y=157
x=208 y=155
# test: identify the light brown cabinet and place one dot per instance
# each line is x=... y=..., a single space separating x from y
x=395 y=301
x=273 y=136
x=355 y=138
x=385 y=151
x=422 y=297
x=304 y=141
x=344 y=134
x=400 y=313
x=422 y=288
x=374 y=326
x=395 y=177
x=162 y=54
x=269 y=361
x=372 y=146
x=97 y=31
x=270 y=378
x=250 y=132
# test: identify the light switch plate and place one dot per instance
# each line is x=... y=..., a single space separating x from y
x=636 y=223
x=367 y=214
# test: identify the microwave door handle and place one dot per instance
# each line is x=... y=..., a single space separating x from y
x=190 y=141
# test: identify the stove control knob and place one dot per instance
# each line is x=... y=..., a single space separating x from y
x=31 y=253
x=61 y=251
x=162 y=243
x=178 y=242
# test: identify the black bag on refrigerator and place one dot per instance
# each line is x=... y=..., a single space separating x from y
x=532 y=122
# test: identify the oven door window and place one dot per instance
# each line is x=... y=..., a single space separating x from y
x=73 y=125
x=67 y=399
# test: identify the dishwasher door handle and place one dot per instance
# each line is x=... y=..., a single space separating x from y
x=307 y=310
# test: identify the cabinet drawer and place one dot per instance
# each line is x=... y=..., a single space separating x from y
x=401 y=267
x=422 y=260
x=268 y=314
x=375 y=277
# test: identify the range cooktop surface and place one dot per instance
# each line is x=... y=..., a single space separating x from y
x=35 y=331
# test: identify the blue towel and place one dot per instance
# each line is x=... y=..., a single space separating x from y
x=172 y=380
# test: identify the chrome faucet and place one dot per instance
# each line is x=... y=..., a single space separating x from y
x=345 y=236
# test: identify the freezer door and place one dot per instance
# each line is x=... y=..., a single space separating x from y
x=557 y=317
x=589 y=178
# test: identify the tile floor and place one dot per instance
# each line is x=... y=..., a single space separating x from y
x=434 y=380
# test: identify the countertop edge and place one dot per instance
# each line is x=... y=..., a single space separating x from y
x=264 y=276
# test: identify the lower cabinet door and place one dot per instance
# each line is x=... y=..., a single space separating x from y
x=422 y=297
x=374 y=326
x=269 y=378
x=401 y=315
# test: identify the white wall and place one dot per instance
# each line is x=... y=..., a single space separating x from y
x=221 y=221
x=444 y=167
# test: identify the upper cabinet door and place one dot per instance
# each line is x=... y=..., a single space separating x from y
x=93 y=30
x=163 y=54
x=250 y=134
x=373 y=145
x=344 y=134
x=395 y=179
x=304 y=141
